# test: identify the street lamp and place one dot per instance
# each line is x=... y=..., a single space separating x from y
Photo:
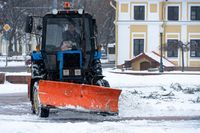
x=161 y=49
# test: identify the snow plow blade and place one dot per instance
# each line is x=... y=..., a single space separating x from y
x=81 y=96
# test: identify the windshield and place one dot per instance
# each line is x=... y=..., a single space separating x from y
x=66 y=34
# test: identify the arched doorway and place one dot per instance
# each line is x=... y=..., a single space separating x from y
x=144 y=65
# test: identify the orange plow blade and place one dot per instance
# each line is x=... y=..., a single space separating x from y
x=89 y=97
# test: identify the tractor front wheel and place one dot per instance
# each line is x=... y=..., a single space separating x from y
x=37 y=107
x=103 y=82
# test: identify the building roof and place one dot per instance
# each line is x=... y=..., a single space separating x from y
x=153 y=56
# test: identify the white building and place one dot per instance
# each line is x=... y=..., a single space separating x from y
x=141 y=23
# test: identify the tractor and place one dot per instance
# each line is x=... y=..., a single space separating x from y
x=66 y=69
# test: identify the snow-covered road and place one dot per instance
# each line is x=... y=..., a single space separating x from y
x=14 y=124
x=175 y=96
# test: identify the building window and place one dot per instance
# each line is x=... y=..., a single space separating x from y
x=195 y=48
x=111 y=50
x=139 y=12
x=173 y=13
x=195 y=13
x=138 y=46
x=172 y=48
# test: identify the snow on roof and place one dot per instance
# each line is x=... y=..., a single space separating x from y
x=156 y=57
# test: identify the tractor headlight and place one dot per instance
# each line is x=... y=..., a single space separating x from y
x=80 y=11
x=77 y=72
x=65 y=72
x=54 y=11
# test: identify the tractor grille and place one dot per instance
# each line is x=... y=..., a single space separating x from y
x=71 y=60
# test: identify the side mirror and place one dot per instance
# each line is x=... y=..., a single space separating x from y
x=29 y=24
x=95 y=26
x=95 y=33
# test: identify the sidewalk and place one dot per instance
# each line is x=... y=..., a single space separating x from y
x=119 y=71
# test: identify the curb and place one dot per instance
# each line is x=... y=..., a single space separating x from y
x=2 y=78
x=15 y=79
x=18 y=79
x=150 y=73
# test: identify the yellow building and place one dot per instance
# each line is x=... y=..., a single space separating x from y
x=142 y=24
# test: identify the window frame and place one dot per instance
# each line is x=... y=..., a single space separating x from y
x=133 y=13
x=179 y=11
x=111 y=50
x=173 y=53
x=134 y=44
x=194 y=50
x=190 y=7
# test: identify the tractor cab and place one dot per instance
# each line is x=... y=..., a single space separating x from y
x=68 y=49
x=69 y=45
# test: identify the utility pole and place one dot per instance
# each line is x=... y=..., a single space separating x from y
x=161 y=49
x=183 y=66
x=6 y=36
x=162 y=32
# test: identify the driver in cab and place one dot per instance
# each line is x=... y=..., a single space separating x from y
x=71 y=39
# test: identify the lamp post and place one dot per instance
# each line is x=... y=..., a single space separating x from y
x=181 y=45
x=161 y=49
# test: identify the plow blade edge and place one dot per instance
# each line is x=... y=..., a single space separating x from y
x=89 y=97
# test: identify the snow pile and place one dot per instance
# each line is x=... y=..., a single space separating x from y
x=13 y=88
x=157 y=95
x=159 y=101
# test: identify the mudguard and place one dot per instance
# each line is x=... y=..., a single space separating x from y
x=36 y=56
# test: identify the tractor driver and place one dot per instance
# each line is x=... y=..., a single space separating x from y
x=71 y=39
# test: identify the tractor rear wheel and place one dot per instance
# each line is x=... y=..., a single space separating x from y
x=103 y=82
x=37 y=107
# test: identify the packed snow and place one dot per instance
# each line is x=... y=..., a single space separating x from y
x=141 y=126
x=142 y=96
x=13 y=88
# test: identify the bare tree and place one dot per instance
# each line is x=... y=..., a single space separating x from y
x=184 y=47
x=14 y=14
x=104 y=15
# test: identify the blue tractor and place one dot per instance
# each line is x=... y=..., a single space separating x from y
x=67 y=56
